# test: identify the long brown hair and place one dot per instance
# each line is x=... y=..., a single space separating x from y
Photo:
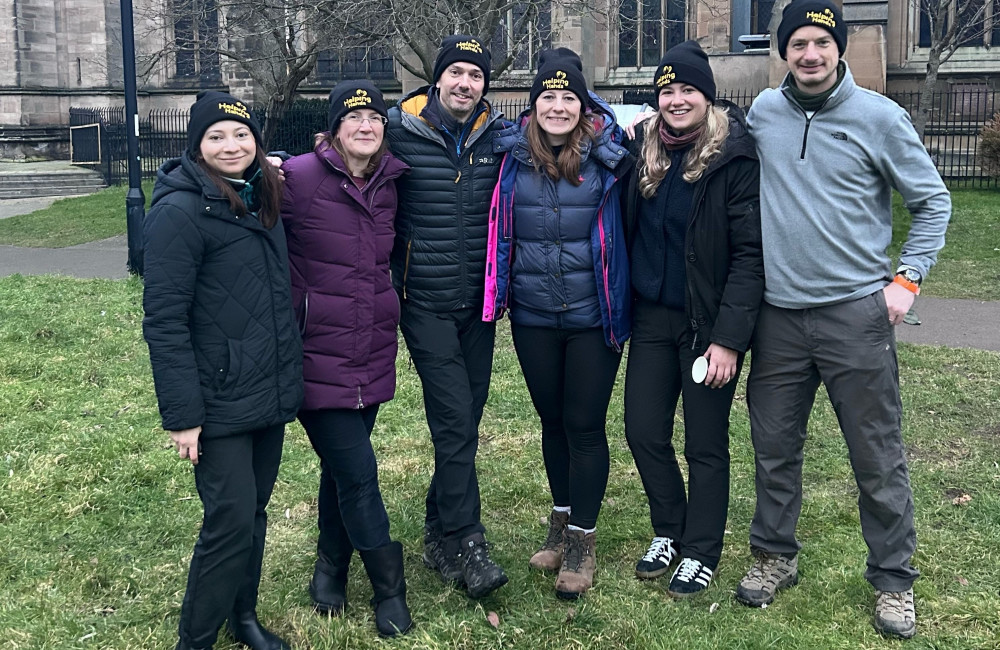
x=326 y=140
x=568 y=164
x=269 y=190
x=656 y=158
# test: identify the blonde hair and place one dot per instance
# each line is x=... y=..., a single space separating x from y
x=655 y=157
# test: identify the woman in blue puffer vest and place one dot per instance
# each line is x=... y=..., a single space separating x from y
x=556 y=258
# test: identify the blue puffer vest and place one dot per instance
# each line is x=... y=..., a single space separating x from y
x=571 y=268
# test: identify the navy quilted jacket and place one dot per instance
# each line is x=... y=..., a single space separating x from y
x=222 y=337
x=571 y=247
x=339 y=239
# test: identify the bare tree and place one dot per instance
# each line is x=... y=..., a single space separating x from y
x=953 y=23
x=413 y=30
x=276 y=43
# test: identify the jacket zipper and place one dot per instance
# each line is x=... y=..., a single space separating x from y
x=361 y=403
x=274 y=319
x=805 y=137
x=605 y=263
x=406 y=266
x=805 y=132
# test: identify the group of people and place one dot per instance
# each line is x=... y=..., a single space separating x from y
x=273 y=295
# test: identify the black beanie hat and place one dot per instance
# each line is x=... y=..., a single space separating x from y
x=467 y=49
x=560 y=69
x=351 y=95
x=686 y=63
x=815 y=13
x=211 y=106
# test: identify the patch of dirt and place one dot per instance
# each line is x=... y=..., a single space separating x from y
x=989 y=432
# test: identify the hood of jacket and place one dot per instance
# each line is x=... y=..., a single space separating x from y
x=607 y=148
x=183 y=175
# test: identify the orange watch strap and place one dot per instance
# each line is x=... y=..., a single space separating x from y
x=906 y=284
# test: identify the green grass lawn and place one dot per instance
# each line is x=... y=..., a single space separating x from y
x=72 y=221
x=969 y=264
x=98 y=516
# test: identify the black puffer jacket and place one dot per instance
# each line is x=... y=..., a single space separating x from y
x=439 y=257
x=724 y=261
x=223 y=340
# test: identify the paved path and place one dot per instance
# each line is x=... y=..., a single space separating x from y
x=944 y=321
x=99 y=259
x=15 y=207
x=949 y=322
x=954 y=323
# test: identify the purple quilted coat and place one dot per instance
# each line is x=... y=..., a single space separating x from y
x=339 y=240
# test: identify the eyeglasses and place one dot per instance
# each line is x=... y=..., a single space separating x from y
x=356 y=119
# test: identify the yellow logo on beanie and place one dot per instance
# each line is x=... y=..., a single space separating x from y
x=667 y=77
x=238 y=109
x=558 y=81
x=470 y=46
x=360 y=98
x=825 y=18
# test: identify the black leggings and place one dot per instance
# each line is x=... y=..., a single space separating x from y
x=570 y=376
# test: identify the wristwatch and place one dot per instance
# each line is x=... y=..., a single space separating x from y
x=910 y=274
x=909 y=278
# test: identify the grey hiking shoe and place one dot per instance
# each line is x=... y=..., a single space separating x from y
x=436 y=558
x=768 y=574
x=894 y=613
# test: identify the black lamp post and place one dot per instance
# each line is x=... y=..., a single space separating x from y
x=135 y=201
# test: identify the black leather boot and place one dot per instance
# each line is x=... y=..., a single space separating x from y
x=328 y=587
x=246 y=629
x=385 y=569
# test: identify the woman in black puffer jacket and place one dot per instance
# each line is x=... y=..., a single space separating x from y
x=225 y=351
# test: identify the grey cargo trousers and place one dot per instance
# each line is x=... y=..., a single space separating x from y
x=851 y=348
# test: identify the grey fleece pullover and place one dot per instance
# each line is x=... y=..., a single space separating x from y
x=826 y=195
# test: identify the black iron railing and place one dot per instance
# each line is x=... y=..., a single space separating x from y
x=952 y=134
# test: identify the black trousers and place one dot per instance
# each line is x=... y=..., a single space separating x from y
x=570 y=376
x=351 y=510
x=453 y=354
x=234 y=477
x=658 y=372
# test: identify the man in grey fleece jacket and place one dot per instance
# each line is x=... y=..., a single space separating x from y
x=831 y=153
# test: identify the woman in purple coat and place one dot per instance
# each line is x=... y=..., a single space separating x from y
x=338 y=210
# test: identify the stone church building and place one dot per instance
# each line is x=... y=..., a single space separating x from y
x=55 y=54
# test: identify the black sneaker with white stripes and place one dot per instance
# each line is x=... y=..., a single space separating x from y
x=690 y=578
x=657 y=560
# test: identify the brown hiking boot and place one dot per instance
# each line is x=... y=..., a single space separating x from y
x=549 y=557
x=576 y=575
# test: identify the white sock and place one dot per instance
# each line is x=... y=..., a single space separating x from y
x=586 y=531
x=566 y=509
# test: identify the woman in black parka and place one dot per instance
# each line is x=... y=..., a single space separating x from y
x=226 y=354
x=693 y=219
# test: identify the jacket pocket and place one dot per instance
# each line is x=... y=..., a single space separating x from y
x=230 y=371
